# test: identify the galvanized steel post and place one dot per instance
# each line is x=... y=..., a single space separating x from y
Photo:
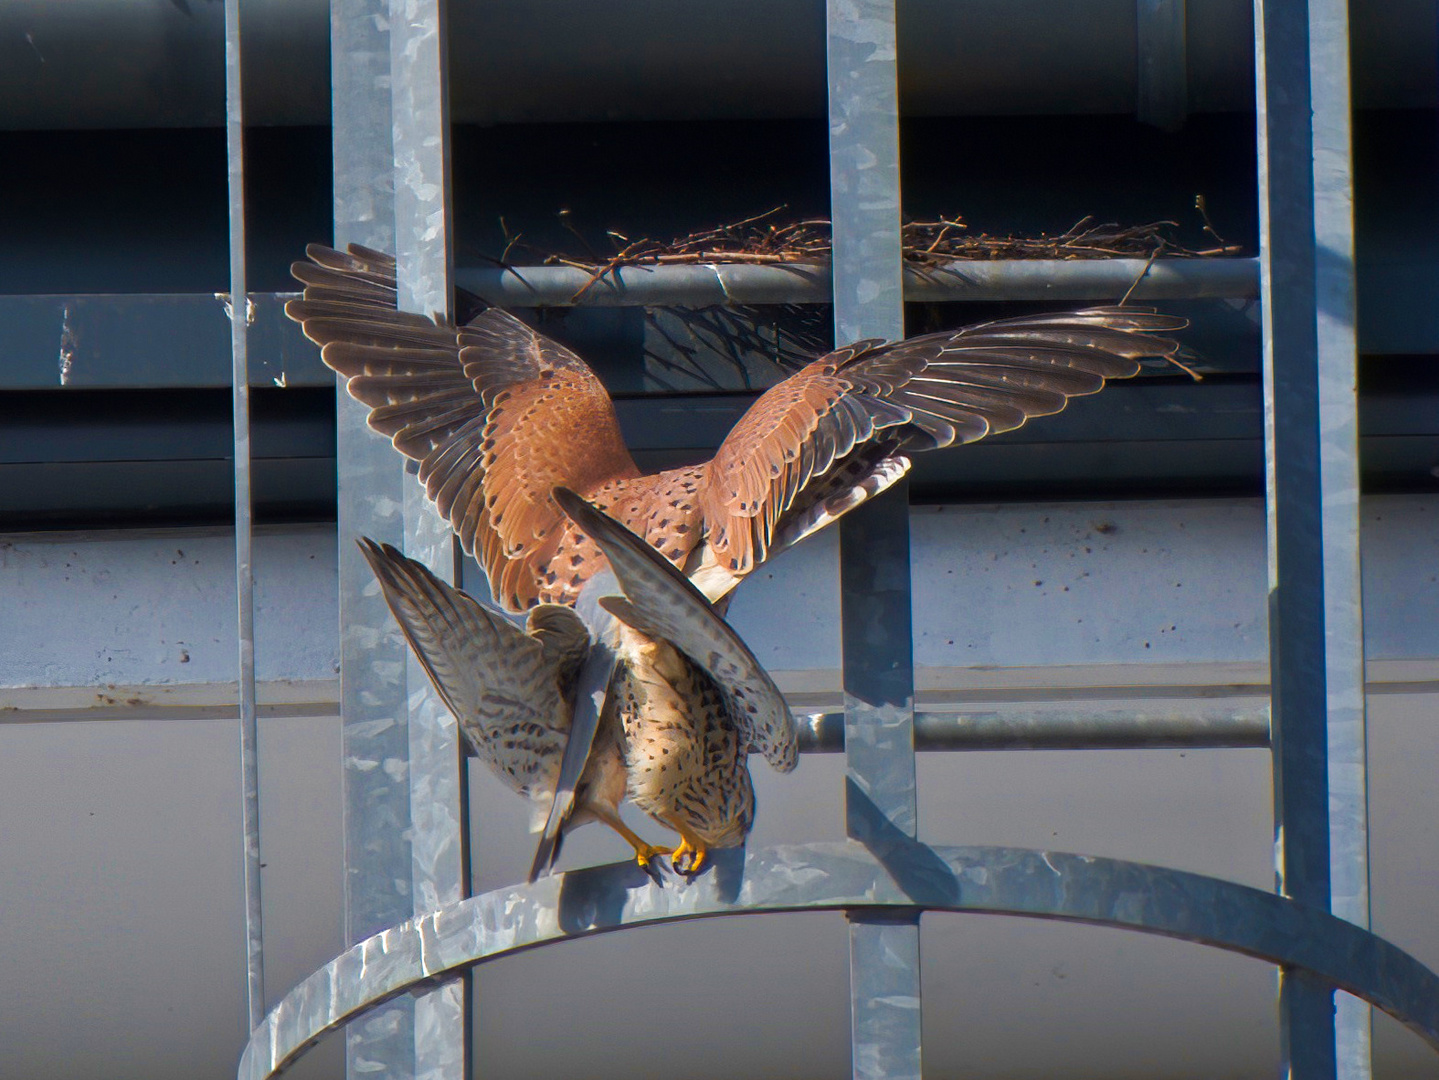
x=239 y=307
x=1316 y=640
x=375 y=745
x=439 y=866
x=874 y=541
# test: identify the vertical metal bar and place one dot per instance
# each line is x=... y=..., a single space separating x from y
x=244 y=576
x=1316 y=649
x=874 y=541
x=864 y=169
x=374 y=711
x=885 y=1033
x=439 y=871
x=1163 y=63
x=1333 y=172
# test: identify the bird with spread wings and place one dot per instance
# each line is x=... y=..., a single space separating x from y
x=498 y=417
x=676 y=746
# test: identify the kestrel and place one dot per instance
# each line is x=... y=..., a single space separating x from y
x=681 y=714
x=693 y=701
x=511 y=690
x=498 y=417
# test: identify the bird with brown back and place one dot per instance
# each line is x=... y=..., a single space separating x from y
x=498 y=416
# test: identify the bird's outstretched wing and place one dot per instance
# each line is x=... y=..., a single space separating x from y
x=503 y=685
x=660 y=602
x=862 y=405
x=495 y=413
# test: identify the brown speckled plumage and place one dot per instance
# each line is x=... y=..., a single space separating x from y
x=497 y=416
x=512 y=691
x=687 y=760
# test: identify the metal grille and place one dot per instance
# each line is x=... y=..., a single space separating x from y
x=411 y=927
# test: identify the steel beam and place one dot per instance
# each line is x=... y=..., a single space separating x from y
x=244 y=571
x=373 y=699
x=701 y=285
x=1069 y=729
x=843 y=875
x=419 y=64
x=874 y=541
x=1316 y=646
x=1337 y=376
x=162 y=340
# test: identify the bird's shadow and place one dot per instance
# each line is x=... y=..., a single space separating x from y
x=595 y=897
x=920 y=874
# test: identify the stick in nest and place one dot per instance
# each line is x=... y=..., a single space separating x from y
x=761 y=240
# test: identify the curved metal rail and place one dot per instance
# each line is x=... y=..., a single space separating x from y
x=897 y=874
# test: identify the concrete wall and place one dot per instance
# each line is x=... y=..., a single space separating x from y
x=119 y=807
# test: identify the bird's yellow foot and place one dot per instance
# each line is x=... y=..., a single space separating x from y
x=645 y=852
x=689 y=857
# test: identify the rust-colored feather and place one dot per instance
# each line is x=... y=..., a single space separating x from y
x=495 y=413
x=941 y=388
x=498 y=415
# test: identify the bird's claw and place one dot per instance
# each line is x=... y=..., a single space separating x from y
x=688 y=858
x=654 y=869
x=647 y=859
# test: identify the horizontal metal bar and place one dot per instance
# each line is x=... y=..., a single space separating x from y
x=819 y=733
x=148 y=340
x=145 y=340
x=898 y=873
x=809 y=283
x=1050 y=729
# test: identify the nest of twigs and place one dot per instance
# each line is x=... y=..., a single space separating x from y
x=764 y=240
x=791 y=336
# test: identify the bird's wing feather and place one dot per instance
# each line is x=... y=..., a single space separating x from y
x=495 y=413
x=939 y=389
x=499 y=682
x=660 y=602
x=591 y=692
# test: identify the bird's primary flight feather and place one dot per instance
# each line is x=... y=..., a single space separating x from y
x=497 y=415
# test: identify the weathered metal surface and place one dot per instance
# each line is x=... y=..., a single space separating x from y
x=875 y=619
x=845 y=875
x=1339 y=458
x=373 y=686
x=880 y=794
x=1312 y=470
x=244 y=570
x=439 y=870
x=809 y=283
x=1138 y=728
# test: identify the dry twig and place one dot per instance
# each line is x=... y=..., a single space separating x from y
x=762 y=240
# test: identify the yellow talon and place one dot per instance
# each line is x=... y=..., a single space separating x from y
x=689 y=857
x=643 y=852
